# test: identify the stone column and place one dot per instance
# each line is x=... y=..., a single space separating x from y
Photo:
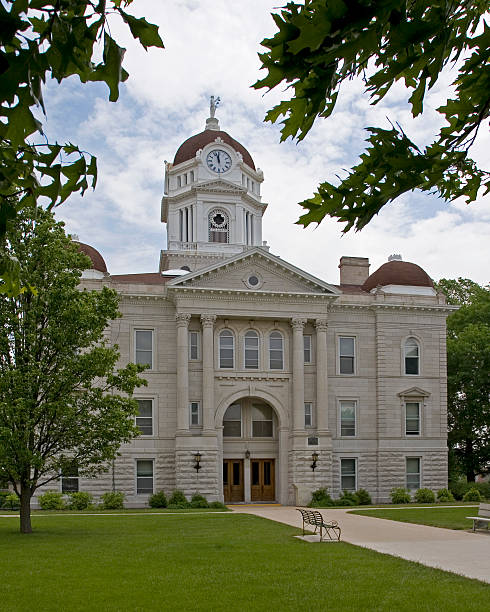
x=182 y=320
x=298 y=323
x=321 y=376
x=208 y=321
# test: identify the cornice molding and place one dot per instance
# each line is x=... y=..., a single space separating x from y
x=264 y=377
x=247 y=294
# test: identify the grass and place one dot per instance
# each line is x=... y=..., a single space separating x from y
x=436 y=516
x=218 y=562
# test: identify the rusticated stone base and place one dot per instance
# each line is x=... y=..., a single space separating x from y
x=204 y=482
x=303 y=480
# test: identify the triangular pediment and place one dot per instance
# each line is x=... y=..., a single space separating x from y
x=414 y=392
x=256 y=270
x=220 y=186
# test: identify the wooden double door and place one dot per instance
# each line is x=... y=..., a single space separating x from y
x=262 y=480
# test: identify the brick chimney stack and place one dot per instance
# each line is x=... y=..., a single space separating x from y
x=353 y=270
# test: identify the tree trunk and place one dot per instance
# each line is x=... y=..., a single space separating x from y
x=25 y=509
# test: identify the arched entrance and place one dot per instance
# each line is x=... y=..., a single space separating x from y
x=250 y=428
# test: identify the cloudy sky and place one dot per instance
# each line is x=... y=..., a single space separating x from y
x=211 y=48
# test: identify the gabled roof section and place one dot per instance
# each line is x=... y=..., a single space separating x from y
x=414 y=392
x=216 y=276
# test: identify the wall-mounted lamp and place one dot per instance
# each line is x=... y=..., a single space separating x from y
x=197 y=459
x=314 y=458
x=247 y=454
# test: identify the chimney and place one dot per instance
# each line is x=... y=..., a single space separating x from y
x=353 y=270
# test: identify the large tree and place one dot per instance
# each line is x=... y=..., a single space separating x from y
x=51 y=39
x=320 y=44
x=468 y=365
x=63 y=402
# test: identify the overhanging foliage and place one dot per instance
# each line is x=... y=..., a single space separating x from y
x=322 y=43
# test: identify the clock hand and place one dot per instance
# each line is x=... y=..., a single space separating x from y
x=217 y=156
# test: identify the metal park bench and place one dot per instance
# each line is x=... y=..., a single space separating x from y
x=483 y=518
x=315 y=519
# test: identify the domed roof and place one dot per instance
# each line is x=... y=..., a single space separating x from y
x=188 y=149
x=397 y=272
x=98 y=262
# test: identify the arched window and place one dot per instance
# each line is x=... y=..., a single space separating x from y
x=252 y=350
x=218 y=226
x=276 y=360
x=226 y=349
x=412 y=356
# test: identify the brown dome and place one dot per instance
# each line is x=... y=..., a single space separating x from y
x=98 y=262
x=188 y=149
x=398 y=272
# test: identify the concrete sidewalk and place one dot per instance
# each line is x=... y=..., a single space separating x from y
x=461 y=552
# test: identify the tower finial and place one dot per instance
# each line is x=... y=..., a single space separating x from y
x=211 y=122
x=213 y=105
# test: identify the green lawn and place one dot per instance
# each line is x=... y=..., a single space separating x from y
x=218 y=562
x=437 y=516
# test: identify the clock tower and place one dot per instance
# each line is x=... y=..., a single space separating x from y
x=212 y=204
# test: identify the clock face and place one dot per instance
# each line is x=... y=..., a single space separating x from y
x=218 y=161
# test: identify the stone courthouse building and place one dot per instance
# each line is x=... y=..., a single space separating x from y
x=264 y=382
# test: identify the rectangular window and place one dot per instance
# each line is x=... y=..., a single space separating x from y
x=413 y=473
x=412 y=419
x=194 y=345
x=251 y=344
x=307 y=348
x=261 y=421
x=276 y=361
x=144 y=418
x=144 y=476
x=346 y=355
x=308 y=414
x=70 y=480
x=232 y=422
x=143 y=340
x=348 y=418
x=348 y=474
x=226 y=349
x=194 y=414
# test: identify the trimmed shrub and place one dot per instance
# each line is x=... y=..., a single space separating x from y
x=399 y=495
x=158 y=500
x=484 y=488
x=185 y=506
x=459 y=487
x=424 y=496
x=363 y=497
x=320 y=499
x=12 y=501
x=178 y=499
x=51 y=500
x=81 y=500
x=112 y=500
x=444 y=495
x=199 y=501
x=472 y=495
x=347 y=499
x=216 y=505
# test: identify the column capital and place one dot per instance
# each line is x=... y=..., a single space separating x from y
x=182 y=319
x=208 y=320
x=298 y=323
x=321 y=324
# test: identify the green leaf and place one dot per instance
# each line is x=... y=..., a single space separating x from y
x=110 y=70
x=146 y=33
